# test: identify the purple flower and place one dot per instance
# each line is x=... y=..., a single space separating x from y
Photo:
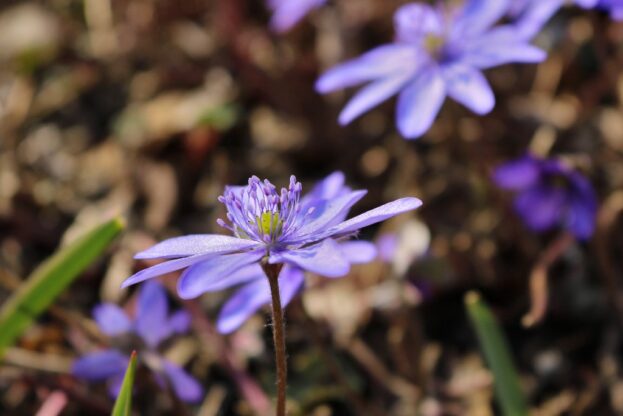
x=152 y=324
x=532 y=15
x=287 y=13
x=614 y=7
x=438 y=52
x=550 y=194
x=254 y=291
x=272 y=227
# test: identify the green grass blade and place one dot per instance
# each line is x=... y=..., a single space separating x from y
x=50 y=279
x=123 y=404
x=497 y=355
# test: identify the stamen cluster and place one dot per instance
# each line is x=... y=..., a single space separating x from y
x=258 y=212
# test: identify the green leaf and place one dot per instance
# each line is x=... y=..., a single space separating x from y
x=220 y=118
x=497 y=355
x=50 y=279
x=123 y=404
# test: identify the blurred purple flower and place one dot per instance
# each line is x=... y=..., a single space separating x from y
x=550 y=194
x=614 y=7
x=287 y=13
x=387 y=245
x=438 y=52
x=532 y=15
x=152 y=324
x=255 y=291
x=271 y=227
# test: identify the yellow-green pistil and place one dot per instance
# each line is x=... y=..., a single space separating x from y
x=269 y=223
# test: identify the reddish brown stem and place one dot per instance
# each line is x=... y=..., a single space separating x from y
x=538 y=279
x=272 y=273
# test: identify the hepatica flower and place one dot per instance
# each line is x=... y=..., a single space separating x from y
x=438 y=52
x=550 y=194
x=254 y=291
x=287 y=13
x=271 y=227
x=151 y=325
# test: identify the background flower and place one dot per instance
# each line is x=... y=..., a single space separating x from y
x=438 y=52
x=549 y=195
x=151 y=324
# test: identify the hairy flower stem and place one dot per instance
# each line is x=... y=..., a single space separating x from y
x=272 y=273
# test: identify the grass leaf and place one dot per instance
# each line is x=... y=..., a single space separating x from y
x=123 y=404
x=50 y=279
x=497 y=355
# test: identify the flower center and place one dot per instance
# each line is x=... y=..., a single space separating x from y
x=269 y=223
x=438 y=47
x=433 y=44
x=259 y=212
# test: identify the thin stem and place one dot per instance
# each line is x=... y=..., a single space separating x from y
x=272 y=273
x=539 y=291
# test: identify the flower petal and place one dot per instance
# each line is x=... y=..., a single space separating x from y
x=203 y=276
x=191 y=245
x=185 y=386
x=242 y=275
x=326 y=213
x=380 y=62
x=517 y=174
x=324 y=258
x=502 y=45
x=288 y=13
x=358 y=251
x=469 y=87
x=580 y=218
x=375 y=215
x=330 y=187
x=419 y=103
x=479 y=15
x=587 y=3
x=387 y=245
x=535 y=15
x=100 y=365
x=413 y=21
x=113 y=385
x=540 y=207
x=616 y=13
x=111 y=319
x=179 y=322
x=152 y=314
x=251 y=297
x=582 y=210
x=371 y=95
x=166 y=267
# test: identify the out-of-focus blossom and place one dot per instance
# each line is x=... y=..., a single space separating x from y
x=272 y=228
x=287 y=13
x=550 y=194
x=531 y=15
x=255 y=291
x=151 y=325
x=387 y=245
x=402 y=248
x=438 y=52
x=614 y=7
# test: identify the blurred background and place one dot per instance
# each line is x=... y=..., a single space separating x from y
x=148 y=108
